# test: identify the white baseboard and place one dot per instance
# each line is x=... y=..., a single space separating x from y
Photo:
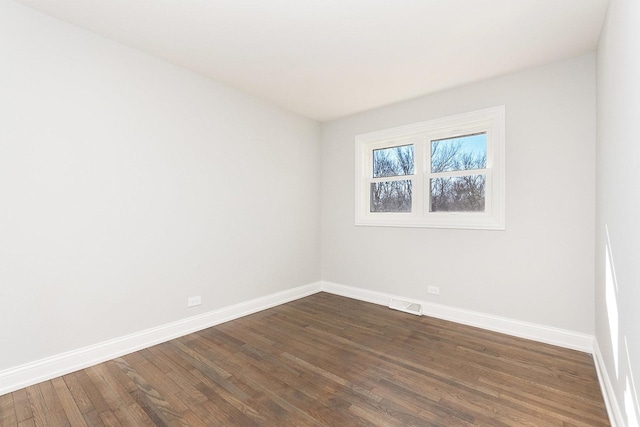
x=532 y=331
x=610 y=401
x=61 y=364
x=32 y=373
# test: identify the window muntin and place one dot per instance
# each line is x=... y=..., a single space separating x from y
x=404 y=178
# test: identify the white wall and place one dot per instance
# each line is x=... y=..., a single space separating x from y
x=128 y=184
x=540 y=269
x=618 y=205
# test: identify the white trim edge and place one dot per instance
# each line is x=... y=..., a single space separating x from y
x=51 y=367
x=610 y=401
x=541 y=333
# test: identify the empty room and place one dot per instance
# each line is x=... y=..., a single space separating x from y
x=319 y=213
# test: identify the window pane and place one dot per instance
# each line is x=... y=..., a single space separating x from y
x=391 y=196
x=393 y=161
x=459 y=153
x=457 y=194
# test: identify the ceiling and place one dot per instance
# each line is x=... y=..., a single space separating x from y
x=329 y=58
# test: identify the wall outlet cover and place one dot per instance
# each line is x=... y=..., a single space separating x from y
x=193 y=301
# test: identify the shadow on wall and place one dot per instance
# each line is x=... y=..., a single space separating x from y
x=630 y=397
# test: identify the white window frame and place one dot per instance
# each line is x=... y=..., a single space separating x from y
x=490 y=121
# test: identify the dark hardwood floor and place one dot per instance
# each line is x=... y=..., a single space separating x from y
x=325 y=361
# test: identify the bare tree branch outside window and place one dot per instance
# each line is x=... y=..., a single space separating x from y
x=447 y=194
x=392 y=196
x=458 y=193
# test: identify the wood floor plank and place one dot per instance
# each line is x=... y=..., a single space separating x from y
x=47 y=410
x=152 y=403
x=183 y=379
x=98 y=402
x=155 y=379
x=22 y=405
x=69 y=405
x=115 y=402
x=79 y=395
x=8 y=415
x=93 y=419
x=109 y=419
x=325 y=360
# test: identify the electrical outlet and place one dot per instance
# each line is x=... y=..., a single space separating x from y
x=193 y=301
x=434 y=290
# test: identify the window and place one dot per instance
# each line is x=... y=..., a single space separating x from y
x=444 y=173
